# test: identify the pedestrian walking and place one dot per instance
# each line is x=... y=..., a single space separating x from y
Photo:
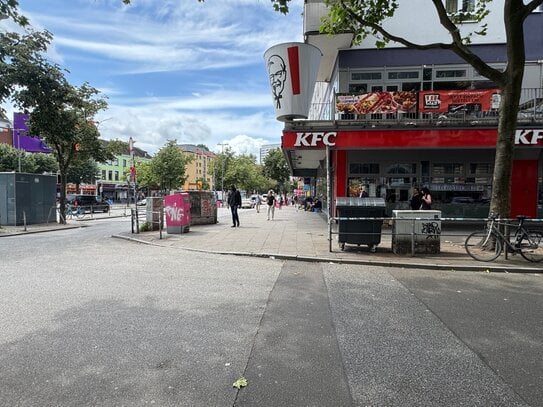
x=258 y=201
x=271 y=203
x=234 y=201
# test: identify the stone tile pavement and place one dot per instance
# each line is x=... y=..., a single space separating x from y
x=297 y=234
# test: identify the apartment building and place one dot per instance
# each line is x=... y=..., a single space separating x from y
x=199 y=169
x=395 y=118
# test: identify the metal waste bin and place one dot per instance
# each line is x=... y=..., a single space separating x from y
x=360 y=231
x=416 y=231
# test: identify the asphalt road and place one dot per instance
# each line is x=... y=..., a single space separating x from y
x=86 y=320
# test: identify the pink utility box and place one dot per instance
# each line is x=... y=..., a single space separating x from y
x=177 y=211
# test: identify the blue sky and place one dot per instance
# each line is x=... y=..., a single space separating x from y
x=172 y=69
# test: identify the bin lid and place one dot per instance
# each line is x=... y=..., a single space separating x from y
x=351 y=201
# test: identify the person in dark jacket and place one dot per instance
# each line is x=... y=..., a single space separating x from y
x=416 y=199
x=234 y=201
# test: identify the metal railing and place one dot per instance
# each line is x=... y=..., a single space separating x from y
x=530 y=112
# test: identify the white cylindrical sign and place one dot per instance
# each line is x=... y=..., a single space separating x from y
x=292 y=70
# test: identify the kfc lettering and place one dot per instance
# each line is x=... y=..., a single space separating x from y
x=528 y=137
x=311 y=139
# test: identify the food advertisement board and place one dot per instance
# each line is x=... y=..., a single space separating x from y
x=377 y=102
x=442 y=101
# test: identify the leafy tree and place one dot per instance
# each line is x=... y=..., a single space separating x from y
x=168 y=166
x=364 y=18
x=202 y=146
x=204 y=183
x=117 y=147
x=244 y=173
x=36 y=163
x=146 y=177
x=60 y=113
x=219 y=167
x=83 y=171
x=41 y=162
x=275 y=167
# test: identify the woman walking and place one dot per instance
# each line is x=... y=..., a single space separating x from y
x=271 y=203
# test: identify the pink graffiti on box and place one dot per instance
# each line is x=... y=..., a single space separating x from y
x=177 y=211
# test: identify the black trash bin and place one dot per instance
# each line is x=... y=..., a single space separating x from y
x=360 y=231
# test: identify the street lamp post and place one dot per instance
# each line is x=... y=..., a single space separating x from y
x=222 y=169
x=18 y=148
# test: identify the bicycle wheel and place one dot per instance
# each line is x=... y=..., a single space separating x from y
x=531 y=246
x=483 y=246
x=79 y=213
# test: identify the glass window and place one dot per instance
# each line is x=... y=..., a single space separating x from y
x=116 y=175
x=366 y=76
x=110 y=175
x=402 y=169
x=455 y=6
x=403 y=75
x=447 y=169
x=366 y=168
x=427 y=74
x=103 y=174
x=410 y=86
x=451 y=73
x=124 y=163
x=481 y=169
x=358 y=88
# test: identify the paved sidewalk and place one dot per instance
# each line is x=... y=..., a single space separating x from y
x=301 y=235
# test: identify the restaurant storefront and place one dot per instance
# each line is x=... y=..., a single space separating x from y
x=455 y=163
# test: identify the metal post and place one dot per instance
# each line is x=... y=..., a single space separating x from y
x=413 y=238
x=24 y=220
x=328 y=198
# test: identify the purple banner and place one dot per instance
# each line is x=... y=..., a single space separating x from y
x=22 y=140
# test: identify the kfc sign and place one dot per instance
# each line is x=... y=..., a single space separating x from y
x=528 y=137
x=311 y=139
x=432 y=101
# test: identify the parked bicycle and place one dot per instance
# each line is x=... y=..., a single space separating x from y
x=487 y=245
x=72 y=211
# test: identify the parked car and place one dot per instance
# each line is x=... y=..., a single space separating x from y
x=142 y=202
x=88 y=202
x=247 y=203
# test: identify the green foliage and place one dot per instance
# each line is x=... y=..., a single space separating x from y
x=33 y=163
x=9 y=9
x=146 y=227
x=168 y=167
x=146 y=178
x=83 y=171
x=275 y=167
x=117 y=147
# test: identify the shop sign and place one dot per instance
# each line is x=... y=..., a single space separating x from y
x=472 y=100
x=529 y=137
x=311 y=139
x=377 y=102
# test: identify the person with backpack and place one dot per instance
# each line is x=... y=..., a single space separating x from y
x=271 y=203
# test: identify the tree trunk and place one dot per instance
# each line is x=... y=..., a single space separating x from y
x=511 y=88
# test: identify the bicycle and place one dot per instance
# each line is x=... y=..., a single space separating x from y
x=72 y=211
x=488 y=244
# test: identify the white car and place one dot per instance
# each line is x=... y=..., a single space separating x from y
x=142 y=202
x=247 y=203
